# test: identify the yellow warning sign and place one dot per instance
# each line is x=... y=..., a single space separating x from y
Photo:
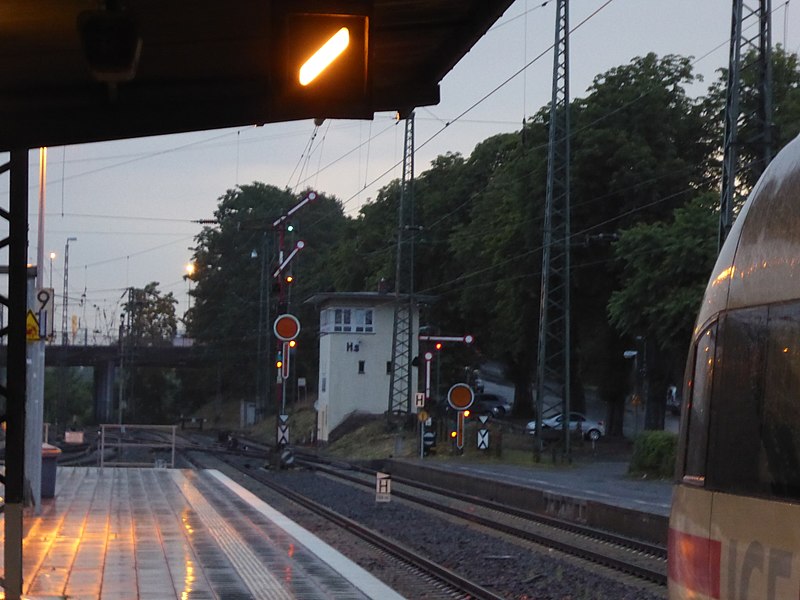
x=32 y=327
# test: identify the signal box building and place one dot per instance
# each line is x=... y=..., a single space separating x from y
x=355 y=355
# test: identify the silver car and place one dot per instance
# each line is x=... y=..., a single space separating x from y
x=592 y=430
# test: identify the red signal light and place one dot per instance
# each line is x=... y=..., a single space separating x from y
x=292 y=343
x=453 y=434
x=466 y=414
x=438 y=345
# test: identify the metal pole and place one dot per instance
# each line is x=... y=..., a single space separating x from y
x=42 y=202
x=16 y=363
x=260 y=362
x=65 y=313
x=121 y=394
x=172 y=460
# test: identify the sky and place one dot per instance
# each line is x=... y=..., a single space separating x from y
x=131 y=204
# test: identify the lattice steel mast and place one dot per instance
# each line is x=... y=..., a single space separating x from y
x=750 y=31
x=553 y=357
x=15 y=390
x=402 y=330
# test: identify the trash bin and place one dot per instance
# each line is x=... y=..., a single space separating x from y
x=49 y=459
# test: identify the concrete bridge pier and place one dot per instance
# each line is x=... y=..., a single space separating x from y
x=104 y=391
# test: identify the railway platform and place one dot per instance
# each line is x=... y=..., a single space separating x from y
x=131 y=533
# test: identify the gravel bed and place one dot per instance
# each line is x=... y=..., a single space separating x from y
x=509 y=569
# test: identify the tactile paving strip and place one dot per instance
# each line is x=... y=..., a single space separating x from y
x=303 y=572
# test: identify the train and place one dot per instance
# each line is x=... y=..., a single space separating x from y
x=734 y=529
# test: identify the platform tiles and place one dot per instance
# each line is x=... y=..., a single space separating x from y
x=157 y=534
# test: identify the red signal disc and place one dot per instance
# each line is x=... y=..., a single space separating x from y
x=286 y=327
x=460 y=396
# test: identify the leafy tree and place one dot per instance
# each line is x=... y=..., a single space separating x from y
x=496 y=282
x=665 y=269
x=365 y=255
x=640 y=150
x=644 y=171
x=151 y=316
x=660 y=303
x=150 y=394
x=68 y=396
x=236 y=296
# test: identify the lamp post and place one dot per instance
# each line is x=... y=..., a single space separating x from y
x=190 y=269
x=637 y=399
x=64 y=316
x=52 y=258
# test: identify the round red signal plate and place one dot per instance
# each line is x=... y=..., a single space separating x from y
x=460 y=396
x=286 y=327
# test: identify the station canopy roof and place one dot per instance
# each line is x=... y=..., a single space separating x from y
x=74 y=71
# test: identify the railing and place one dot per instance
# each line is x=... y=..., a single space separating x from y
x=121 y=442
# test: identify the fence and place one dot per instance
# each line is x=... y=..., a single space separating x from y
x=138 y=443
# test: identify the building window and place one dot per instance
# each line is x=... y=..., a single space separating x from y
x=341 y=319
x=363 y=320
x=388 y=367
x=346 y=320
x=361 y=367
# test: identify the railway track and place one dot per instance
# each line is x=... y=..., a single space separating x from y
x=634 y=557
x=427 y=578
x=631 y=558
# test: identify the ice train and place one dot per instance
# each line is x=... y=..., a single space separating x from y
x=735 y=523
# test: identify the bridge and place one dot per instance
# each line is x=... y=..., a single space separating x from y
x=104 y=360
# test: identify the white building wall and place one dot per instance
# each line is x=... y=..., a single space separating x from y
x=343 y=355
x=324 y=388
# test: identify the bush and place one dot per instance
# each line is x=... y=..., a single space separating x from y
x=654 y=454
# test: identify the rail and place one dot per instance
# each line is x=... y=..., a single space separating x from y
x=122 y=442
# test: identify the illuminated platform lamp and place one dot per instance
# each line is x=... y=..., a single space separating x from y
x=111 y=43
x=322 y=59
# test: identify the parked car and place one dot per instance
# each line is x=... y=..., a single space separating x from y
x=591 y=430
x=491 y=404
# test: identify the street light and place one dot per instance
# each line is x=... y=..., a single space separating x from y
x=190 y=270
x=262 y=380
x=634 y=354
x=52 y=258
x=64 y=316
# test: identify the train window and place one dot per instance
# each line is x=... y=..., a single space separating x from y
x=735 y=405
x=780 y=419
x=698 y=407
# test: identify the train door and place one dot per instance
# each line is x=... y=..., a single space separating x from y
x=693 y=565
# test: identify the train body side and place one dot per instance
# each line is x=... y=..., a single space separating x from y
x=735 y=522
x=732 y=547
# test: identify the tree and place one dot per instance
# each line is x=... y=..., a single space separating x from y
x=785 y=112
x=150 y=394
x=74 y=385
x=151 y=316
x=665 y=268
x=498 y=250
x=640 y=150
x=236 y=294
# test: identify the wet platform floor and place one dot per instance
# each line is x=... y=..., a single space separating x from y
x=122 y=533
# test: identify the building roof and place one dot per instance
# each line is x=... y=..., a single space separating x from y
x=210 y=65
x=373 y=298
